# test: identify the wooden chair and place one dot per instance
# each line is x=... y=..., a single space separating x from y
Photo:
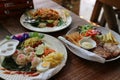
x=14 y=7
x=108 y=14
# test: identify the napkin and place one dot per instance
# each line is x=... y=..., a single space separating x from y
x=82 y=52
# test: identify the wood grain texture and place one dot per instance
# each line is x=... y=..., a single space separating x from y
x=115 y=3
x=76 y=68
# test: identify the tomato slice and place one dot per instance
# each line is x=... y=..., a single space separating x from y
x=91 y=32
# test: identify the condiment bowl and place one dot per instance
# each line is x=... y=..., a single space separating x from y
x=87 y=43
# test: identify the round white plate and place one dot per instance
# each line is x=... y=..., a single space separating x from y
x=103 y=31
x=56 y=45
x=46 y=29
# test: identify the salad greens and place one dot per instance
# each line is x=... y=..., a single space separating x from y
x=8 y=37
x=60 y=22
x=88 y=30
x=47 y=22
x=35 y=23
x=36 y=34
x=84 y=28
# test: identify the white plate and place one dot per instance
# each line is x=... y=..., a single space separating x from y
x=56 y=45
x=46 y=29
x=103 y=31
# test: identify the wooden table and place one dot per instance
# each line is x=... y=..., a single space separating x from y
x=76 y=68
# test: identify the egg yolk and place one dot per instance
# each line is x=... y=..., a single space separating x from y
x=45 y=64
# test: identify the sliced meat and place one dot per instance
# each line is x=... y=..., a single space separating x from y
x=102 y=52
x=108 y=50
x=109 y=47
x=116 y=52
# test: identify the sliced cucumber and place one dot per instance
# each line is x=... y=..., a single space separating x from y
x=50 y=21
x=40 y=51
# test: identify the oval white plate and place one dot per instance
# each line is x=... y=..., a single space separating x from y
x=103 y=31
x=46 y=29
x=56 y=45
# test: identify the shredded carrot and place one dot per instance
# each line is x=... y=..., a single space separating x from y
x=48 y=50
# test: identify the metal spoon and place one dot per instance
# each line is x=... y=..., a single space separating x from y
x=29 y=20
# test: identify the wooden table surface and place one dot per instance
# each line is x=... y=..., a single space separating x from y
x=76 y=68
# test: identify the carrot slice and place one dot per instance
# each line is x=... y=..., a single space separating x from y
x=48 y=50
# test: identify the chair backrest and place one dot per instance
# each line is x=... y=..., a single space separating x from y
x=108 y=14
x=14 y=7
x=115 y=3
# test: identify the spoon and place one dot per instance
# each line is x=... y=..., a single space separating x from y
x=29 y=21
x=28 y=18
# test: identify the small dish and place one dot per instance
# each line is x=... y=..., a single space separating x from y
x=8 y=47
x=87 y=43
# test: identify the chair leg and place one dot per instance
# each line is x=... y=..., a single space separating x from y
x=102 y=20
x=96 y=11
x=110 y=17
x=119 y=16
x=117 y=11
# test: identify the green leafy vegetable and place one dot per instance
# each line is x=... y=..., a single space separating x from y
x=35 y=23
x=10 y=64
x=84 y=28
x=8 y=37
x=41 y=36
x=60 y=22
x=36 y=34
